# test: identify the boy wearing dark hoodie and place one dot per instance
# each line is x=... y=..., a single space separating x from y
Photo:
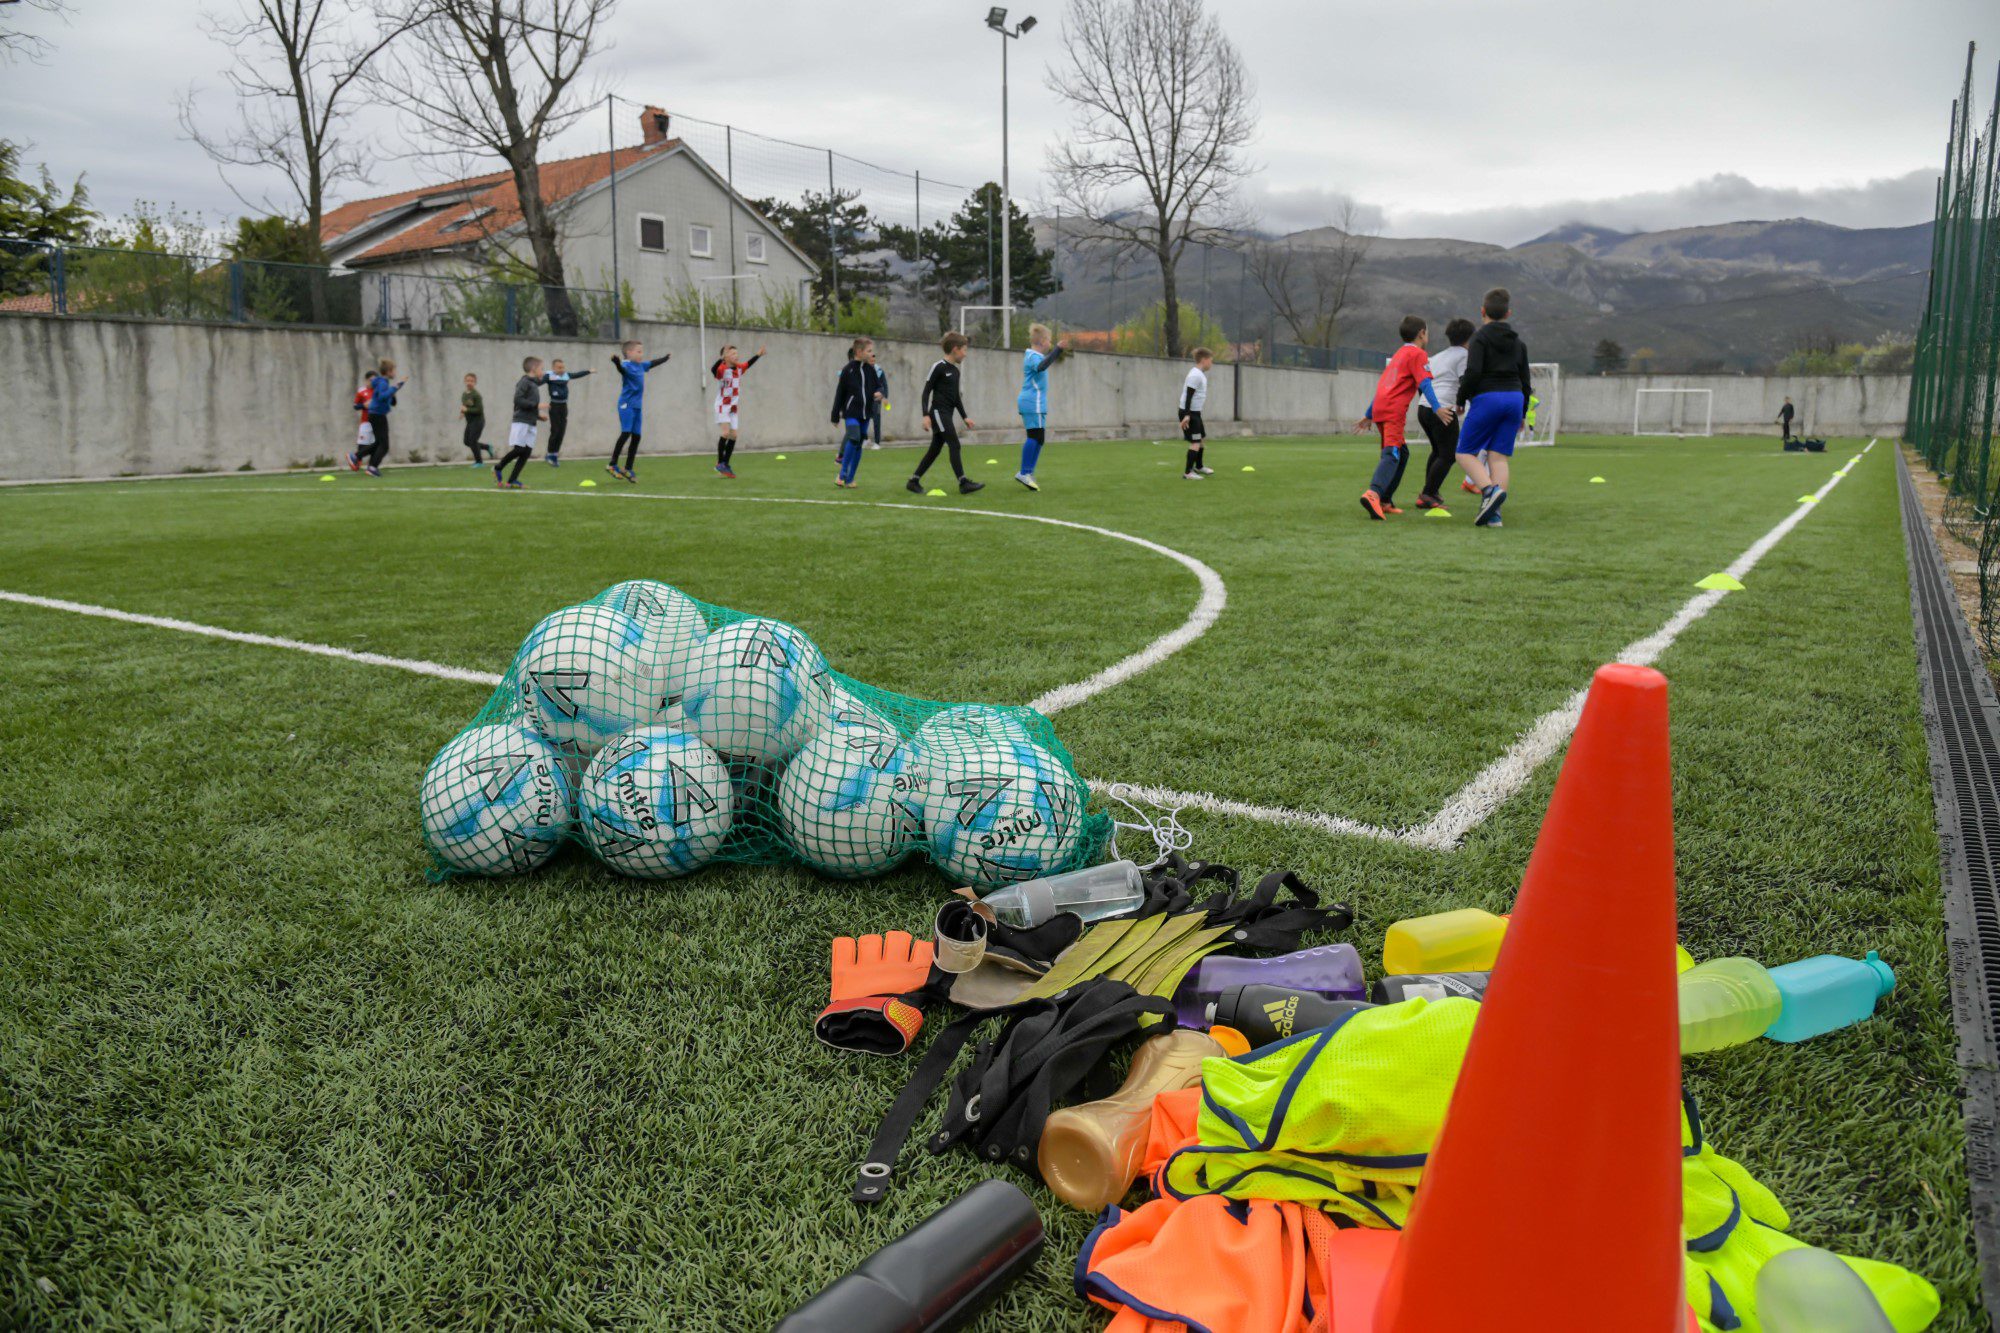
x=1493 y=394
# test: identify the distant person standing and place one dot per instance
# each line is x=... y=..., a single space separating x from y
x=472 y=409
x=381 y=402
x=558 y=379
x=521 y=432
x=1447 y=367
x=1194 y=397
x=1785 y=415
x=942 y=398
x=1034 y=399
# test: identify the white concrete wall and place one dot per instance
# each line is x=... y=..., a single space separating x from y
x=127 y=397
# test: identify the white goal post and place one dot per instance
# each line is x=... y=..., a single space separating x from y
x=1673 y=412
x=1545 y=382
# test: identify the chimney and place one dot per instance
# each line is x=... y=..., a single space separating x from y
x=653 y=126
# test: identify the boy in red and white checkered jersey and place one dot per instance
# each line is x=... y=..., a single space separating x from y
x=1407 y=374
x=728 y=372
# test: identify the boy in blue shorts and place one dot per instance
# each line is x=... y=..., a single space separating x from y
x=856 y=394
x=1034 y=401
x=632 y=368
x=1493 y=394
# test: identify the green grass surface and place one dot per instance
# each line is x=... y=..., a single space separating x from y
x=253 y=1067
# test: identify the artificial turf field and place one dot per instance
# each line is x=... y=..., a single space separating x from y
x=255 y=1068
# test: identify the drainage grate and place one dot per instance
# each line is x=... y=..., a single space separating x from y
x=1962 y=721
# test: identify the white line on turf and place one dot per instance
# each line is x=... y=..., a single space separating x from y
x=1445 y=831
x=438 y=669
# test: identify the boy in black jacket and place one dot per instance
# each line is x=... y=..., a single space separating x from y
x=558 y=381
x=858 y=389
x=1496 y=387
x=941 y=399
x=521 y=434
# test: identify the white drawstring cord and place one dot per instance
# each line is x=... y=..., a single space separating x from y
x=1166 y=830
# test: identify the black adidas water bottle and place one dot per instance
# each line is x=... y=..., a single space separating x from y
x=1264 y=1014
x=1430 y=986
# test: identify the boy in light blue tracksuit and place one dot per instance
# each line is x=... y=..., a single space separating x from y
x=856 y=394
x=1034 y=401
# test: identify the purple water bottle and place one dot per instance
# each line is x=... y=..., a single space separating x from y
x=1331 y=970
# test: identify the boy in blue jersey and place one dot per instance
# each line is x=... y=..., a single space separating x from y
x=381 y=402
x=632 y=368
x=1034 y=402
x=856 y=393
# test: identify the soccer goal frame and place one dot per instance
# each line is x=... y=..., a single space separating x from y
x=1678 y=412
x=1546 y=384
x=1006 y=313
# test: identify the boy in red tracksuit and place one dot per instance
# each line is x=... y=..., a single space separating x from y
x=1407 y=374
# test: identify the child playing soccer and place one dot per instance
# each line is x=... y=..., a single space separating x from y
x=381 y=402
x=1496 y=386
x=1034 y=400
x=1446 y=369
x=472 y=407
x=941 y=399
x=631 y=405
x=1407 y=374
x=728 y=373
x=364 y=434
x=521 y=435
x=1194 y=395
x=558 y=379
x=858 y=389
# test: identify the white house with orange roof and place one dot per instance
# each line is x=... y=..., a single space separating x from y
x=677 y=221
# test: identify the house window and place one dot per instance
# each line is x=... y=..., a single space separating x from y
x=652 y=232
x=753 y=250
x=701 y=242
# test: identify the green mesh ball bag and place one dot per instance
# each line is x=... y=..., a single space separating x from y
x=664 y=733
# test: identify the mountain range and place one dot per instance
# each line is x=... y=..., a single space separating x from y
x=1736 y=296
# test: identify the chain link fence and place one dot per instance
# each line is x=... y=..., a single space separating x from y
x=1955 y=385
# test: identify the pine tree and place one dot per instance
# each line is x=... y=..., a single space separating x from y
x=1608 y=357
x=958 y=261
x=33 y=214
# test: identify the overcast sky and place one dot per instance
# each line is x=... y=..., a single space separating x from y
x=1477 y=119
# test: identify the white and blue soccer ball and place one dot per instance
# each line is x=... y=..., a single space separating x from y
x=656 y=803
x=584 y=675
x=673 y=627
x=999 y=812
x=967 y=727
x=756 y=690
x=848 y=801
x=496 y=800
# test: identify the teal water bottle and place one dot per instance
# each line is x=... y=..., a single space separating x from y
x=1826 y=993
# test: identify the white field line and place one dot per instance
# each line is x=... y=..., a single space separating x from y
x=1445 y=831
x=438 y=669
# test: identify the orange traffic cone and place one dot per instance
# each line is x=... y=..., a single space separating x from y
x=1554 y=1192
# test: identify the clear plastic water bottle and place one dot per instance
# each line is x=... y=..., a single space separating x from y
x=1093 y=893
x=1826 y=993
x=1726 y=1002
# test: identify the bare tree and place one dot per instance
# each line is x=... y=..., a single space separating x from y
x=295 y=68
x=499 y=77
x=1162 y=110
x=17 y=44
x=1309 y=284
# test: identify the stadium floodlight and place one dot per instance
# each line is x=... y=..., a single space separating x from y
x=1672 y=412
x=996 y=19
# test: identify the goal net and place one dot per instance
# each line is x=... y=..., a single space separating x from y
x=1546 y=384
x=1674 y=412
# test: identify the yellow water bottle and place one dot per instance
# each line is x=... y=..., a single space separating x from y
x=1467 y=940
x=1726 y=1002
x=1089 y=1154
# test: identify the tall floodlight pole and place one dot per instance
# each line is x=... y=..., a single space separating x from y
x=996 y=19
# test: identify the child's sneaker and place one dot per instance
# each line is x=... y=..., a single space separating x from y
x=516 y=486
x=722 y=470
x=631 y=475
x=1026 y=480
x=1191 y=476
x=913 y=486
x=1388 y=508
x=1489 y=506
x=499 y=478
x=1465 y=484
x=1429 y=501
x=374 y=471
x=354 y=462
x=967 y=485
x=1371 y=504
x=615 y=470
x=1206 y=471
x=554 y=461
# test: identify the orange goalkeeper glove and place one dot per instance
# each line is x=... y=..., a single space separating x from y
x=874 y=978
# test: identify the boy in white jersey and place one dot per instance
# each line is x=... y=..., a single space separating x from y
x=1447 y=367
x=728 y=373
x=1194 y=397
